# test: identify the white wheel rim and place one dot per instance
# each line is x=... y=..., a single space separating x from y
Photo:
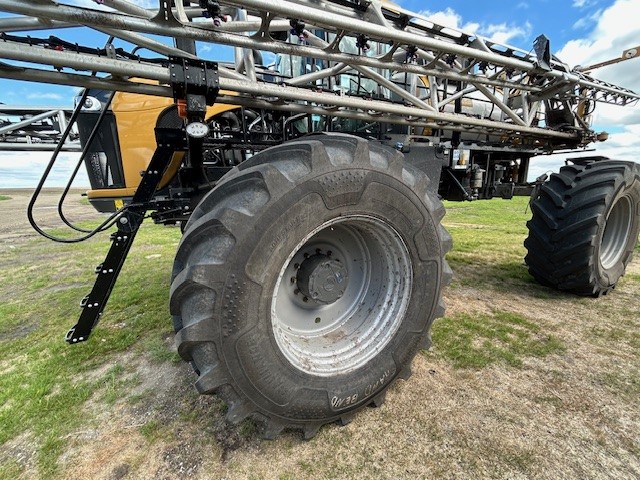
x=616 y=233
x=361 y=278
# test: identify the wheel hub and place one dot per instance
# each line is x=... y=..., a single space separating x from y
x=322 y=279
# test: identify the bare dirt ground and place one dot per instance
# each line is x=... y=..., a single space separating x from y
x=14 y=225
x=570 y=415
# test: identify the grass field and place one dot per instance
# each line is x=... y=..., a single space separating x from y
x=522 y=381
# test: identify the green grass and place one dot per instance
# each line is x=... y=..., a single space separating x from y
x=488 y=253
x=44 y=384
x=477 y=341
x=151 y=430
x=4 y=197
x=488 y=239
x=49 y=390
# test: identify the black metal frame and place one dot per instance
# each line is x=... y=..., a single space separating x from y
x=196 y=82
x=128 y=226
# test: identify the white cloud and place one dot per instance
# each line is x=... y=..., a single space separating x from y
x=146 y=3
x=91 y=4
x=587 y=20
x=23 y=170
x=583 y=3
x=615 y=31
x=503 y=33
x=45 y=96
x=498 y=32
x=449 y=18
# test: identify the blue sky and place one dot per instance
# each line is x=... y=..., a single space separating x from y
x=581 y=32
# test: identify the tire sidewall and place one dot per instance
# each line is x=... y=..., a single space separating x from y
x=261 y=370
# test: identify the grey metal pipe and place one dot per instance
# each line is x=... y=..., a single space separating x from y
x=28 y=121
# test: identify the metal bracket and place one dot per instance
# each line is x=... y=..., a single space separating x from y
x=196 y=82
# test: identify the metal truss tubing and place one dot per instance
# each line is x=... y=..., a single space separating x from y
x=275 y=93
x=23 y=128
x=457 y=67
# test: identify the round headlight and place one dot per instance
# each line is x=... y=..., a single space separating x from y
x=91 y=104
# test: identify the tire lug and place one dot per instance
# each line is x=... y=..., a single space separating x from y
x=305 y=299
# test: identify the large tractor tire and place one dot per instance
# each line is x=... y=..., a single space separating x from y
x=307 y=281
x=585 y=227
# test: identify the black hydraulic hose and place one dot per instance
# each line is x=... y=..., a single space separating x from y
x=83 y=155
x=466 y=196
x=106 y=224
x=84 y=151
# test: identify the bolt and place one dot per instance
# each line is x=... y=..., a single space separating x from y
x=124 y=220
x=293 y=279
x=296 y=266
x=318 y=320
x=305 y=299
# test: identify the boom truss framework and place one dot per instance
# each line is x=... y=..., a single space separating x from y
x=417 y=73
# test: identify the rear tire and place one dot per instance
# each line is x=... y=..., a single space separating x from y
x=308 y=279
x=585 y=227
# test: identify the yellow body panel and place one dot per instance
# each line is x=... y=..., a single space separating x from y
x=117 y=193
x=136 y=117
